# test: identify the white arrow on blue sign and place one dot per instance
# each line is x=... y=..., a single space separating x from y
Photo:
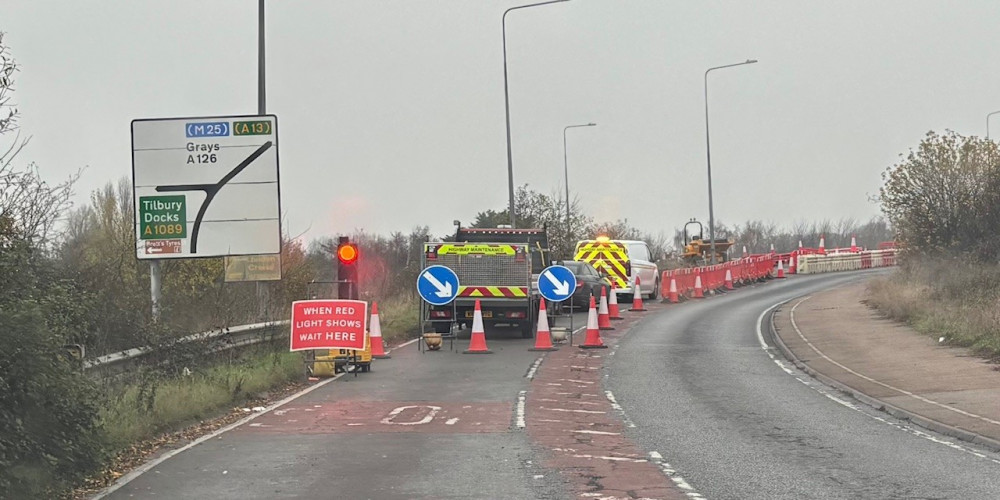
x=556 y=283
x=438 y=285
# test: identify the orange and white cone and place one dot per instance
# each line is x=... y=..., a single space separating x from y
x=822 y=243
x=800 y=244
x=854 y=244
x=772 y=247
x=543 y=339
x=375 y=335
x=673 y=291
x=603 y=316
x=781 y=269
x=699 y=292
x=477 y=344
x=745 y=254
x=729 y=280
x=637 y=297
x=793 y=262
x=593 y=339
x=613 y=311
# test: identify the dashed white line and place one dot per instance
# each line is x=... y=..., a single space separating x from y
x=451 y=421
x=573 y=411
x=520 y=409
x=534 y=367
x=599 y=433
x=670 y=472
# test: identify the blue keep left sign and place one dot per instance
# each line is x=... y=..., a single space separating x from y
x=438 y=285
x=556 y=283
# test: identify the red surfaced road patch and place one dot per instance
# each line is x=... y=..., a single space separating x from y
x=568 y=414
x=367 y=416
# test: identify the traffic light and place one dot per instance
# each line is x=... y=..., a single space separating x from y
x=347 y=269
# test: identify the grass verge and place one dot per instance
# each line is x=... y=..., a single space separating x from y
x=147 y=406
x=399 y=317
x=954 y=299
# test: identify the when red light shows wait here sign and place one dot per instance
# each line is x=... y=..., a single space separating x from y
x=329 y=324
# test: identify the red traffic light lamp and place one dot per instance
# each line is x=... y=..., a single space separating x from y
x=347 y=269
x=347 y=253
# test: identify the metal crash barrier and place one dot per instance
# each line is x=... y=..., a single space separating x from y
x=833 y=262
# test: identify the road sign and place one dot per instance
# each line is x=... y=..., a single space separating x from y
x=209 y=183
x=159 y=247
x=556 y=283
x=253 y=268
x=438 y=285
x=329 y=324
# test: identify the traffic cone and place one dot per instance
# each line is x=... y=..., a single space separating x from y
x=729 y=280
x=854 y=244
x=793 y=263
x=603 y=316
x=699 y=293
x=745 y=254
x=375 y=335
x=822 y=243
x=543 y=339
x=673 y=291
x=800 y=244
x=781 y=269
x=593 y=340
x=613 y=311
x=477 y=343
x=772 y=247
x=637 y=297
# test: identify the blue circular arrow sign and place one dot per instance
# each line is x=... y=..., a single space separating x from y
x=438 y=285
x=556 y=283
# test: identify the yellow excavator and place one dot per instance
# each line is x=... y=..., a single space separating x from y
x=698 y=250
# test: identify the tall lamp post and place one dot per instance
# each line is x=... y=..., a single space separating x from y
x=708 y=155
x=988 y=123
x=566 y=171
x=506 y=105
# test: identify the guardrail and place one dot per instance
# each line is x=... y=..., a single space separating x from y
x=236 y=336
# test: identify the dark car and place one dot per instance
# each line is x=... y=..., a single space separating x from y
x=588 y=281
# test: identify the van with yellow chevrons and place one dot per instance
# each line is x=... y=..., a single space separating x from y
x=621 y=261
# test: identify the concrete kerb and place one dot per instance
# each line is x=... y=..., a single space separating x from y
x=875 y=403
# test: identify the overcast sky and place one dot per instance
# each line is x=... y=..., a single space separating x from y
x=391 y=113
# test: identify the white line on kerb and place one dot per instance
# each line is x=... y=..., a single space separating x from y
x=520 y=409
x=131 y=476
x=791 y=316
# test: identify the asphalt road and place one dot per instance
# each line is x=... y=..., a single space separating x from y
x=701 y=391
x=420 y=425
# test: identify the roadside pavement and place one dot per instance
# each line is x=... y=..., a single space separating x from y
x=836 y=338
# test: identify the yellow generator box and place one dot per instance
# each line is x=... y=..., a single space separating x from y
x=329 y=362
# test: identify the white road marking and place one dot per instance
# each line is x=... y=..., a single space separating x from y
x=618 y=408
x=138 y=471
x=600 y=433
x=550 y=420
x=791 y=316
x=573 y=411
x=576 y=381
x=431 y=412
x=534 y=367
x=670 y=472
x=451 y=421
x=822 y=389
x=614 y=459
x=520 y=409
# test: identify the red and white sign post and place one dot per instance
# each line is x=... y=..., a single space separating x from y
x=329 y=324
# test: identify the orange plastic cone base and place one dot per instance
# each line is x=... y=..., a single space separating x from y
x=699 y=292
x=637 y=298
x=614 y=312
x=543 y=338
x=593 y=339
x=477 y=344
x=378 y=349
x=375 y=335
x=674 y=298
x=603 y=317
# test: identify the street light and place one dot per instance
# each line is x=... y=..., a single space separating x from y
x=566 y=170
x=988 y=123
x=708 y=154
x=506 y=104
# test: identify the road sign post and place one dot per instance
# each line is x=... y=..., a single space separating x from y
x=556 y=284
x=438 y=286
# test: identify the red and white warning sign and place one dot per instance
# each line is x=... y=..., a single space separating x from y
x=329 y=324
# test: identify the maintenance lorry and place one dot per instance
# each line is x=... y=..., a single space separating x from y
x=500 y=268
